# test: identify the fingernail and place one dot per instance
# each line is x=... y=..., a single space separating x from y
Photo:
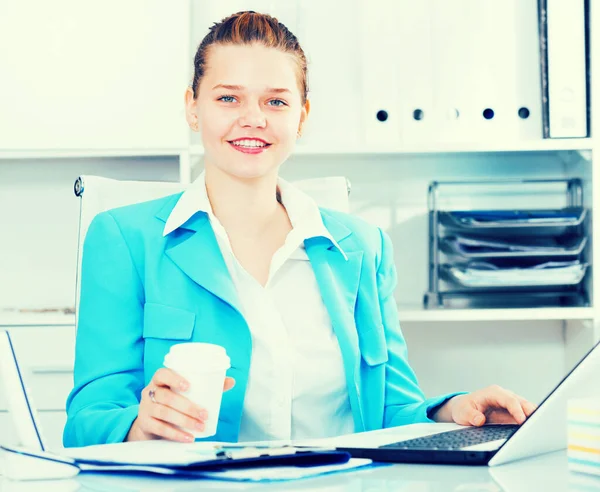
x=203 y=414
x=478 y=420
x=200 y=426
x=188 y=438
x=183 y=385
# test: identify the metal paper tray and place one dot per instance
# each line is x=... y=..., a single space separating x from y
x=513 y=298
x=573 y=246
x=451 y=222
x=452 y=274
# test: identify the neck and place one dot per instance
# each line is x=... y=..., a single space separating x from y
x=246 y=206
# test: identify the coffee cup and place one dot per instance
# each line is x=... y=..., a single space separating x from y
x=204 y=366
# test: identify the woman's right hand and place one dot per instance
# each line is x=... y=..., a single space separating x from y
x=169 y=412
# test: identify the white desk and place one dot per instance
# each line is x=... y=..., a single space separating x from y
x=546 y=473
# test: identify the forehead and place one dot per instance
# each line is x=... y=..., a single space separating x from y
x=253 y=66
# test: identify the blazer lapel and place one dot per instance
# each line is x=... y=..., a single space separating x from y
x=194 y=249
x=338 y=281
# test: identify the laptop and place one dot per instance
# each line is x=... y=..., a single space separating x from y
x=21 y=410
x=545 y=430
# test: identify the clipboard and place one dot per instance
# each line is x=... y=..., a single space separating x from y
x=223 y=459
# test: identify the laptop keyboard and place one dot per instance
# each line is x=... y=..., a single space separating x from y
x=456 y=439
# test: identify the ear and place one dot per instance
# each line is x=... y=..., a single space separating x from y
x=303 y=115
x=191 y=106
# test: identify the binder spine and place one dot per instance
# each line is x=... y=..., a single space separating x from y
x=543 y=34
x=566 y=68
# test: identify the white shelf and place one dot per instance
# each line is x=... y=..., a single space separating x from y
x=408 y=314
x=36 y=319
x=85 y=153
x=566 y=144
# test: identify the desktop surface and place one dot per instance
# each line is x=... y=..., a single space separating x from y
x=547 y=472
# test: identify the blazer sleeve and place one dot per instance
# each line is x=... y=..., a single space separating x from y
x=405 y=402
x=109 y=375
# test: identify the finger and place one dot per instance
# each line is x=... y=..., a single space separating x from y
x=229 y=383
x=167 y=377
x=511 y=403
x=527 y=406
x=475 y=417
x=167 y=431
x=500 y=416
x=468 y=413
x=166 y=397
x=172 y=416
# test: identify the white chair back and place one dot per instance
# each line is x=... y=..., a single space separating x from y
x=99 y=194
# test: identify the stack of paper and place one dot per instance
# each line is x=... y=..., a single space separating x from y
x=583 y=423
x=202 y=460
x=514 y=248
x=485 y=274
x=472 y=247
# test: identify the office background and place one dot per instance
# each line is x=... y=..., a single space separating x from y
x=90 y=88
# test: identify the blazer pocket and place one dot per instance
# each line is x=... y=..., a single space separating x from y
x=373 y=347
x=161 y=321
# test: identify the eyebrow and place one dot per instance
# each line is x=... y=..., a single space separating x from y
x=241 y=88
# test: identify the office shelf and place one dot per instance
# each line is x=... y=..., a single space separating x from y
x=85 y=153
x=414 y=314
x=35 y=319
x=406 y=314
x=542 y=145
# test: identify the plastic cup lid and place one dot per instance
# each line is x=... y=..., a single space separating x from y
x=197 y=356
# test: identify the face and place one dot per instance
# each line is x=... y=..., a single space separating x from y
x=249 y=109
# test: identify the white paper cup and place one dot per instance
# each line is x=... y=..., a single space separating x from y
x=204 y=366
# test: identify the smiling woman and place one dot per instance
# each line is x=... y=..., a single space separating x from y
x=249 y=94
x=301 y=298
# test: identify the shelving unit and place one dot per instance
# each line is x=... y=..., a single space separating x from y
x=542 y=145
x=38 y=211
x=416 y=315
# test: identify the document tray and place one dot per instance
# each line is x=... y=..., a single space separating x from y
x=513 y=222
x=481 y=248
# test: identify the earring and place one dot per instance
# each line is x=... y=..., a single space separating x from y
x=299 y=133
x=195 y=127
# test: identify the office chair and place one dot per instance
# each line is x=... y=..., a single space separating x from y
x=98 y=194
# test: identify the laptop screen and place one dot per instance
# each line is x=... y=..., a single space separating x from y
x=21 y=410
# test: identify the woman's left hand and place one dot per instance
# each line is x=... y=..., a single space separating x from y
x=491 y=405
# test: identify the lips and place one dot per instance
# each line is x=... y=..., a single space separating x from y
x=249 y=141
x=249 y=148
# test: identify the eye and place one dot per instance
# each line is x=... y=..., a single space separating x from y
x=226 y=99
x=277 y=101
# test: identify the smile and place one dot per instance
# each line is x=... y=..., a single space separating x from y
x=249 y=145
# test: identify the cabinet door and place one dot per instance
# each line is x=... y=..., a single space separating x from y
x=93 y=75
x=46 y=358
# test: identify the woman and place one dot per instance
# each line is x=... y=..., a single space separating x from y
x=301 y=298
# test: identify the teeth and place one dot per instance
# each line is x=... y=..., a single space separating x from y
x=248 y=143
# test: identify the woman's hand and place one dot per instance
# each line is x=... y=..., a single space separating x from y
x=491 y=405
x=161 y=413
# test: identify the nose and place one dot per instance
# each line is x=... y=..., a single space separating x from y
x=252 y=116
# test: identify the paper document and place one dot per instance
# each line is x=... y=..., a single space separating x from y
x=279 y=473
x=148 y=453
x=484 y=274
x=506 y=217
x=538 y=245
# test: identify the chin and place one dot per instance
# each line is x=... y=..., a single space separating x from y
x=250 y=171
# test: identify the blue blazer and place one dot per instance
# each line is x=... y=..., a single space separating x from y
x=142 y=292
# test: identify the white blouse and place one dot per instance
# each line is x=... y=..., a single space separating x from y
x=296 y=385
